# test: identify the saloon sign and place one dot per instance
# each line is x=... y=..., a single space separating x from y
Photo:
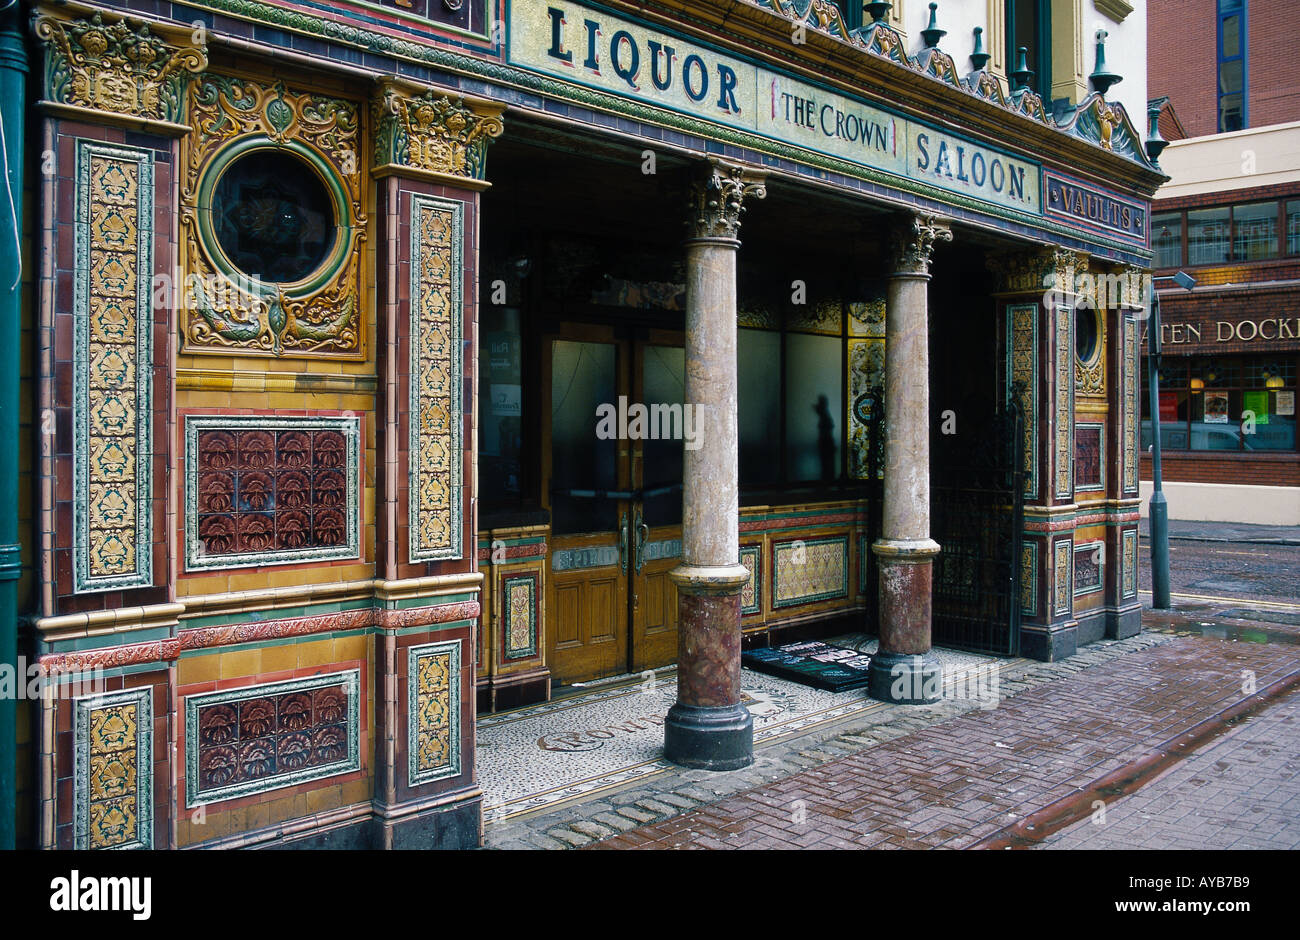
x=586 y=46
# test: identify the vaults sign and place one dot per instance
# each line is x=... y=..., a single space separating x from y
x=586 y=46
x=1094 y=208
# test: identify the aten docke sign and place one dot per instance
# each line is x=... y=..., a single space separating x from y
x=586 y=46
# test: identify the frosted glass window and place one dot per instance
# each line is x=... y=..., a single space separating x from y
x=814 y=407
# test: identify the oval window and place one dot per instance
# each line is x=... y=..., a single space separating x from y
x=273 y=216
x=1087 y=335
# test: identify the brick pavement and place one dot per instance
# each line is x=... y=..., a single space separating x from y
x=1241 y=791
x=954 y=782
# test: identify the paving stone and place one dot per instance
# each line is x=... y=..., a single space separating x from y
x=569 y=836
x=593 y=829
x=614 y=821
x=631 y=812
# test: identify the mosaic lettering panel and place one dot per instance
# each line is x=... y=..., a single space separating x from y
x=112 y=368
x=1065 y=402
x=751 y=556
x=1130 y=404
x=436 y=475
x=113 y=770
x=433 y=719
x=1063 y=570
x=805 y=571
x=261 y=490
x=1022 y=366
x=1089 y=565
x=1029 y=578
x=519 y=609
x=1089 y=458
x=265 y=737
x=1128 y=579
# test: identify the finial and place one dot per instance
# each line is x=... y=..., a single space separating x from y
x=1155 y=143
x=932 y=33
x=878 y=10
x=1101 y=78
x=1023 y=74
x=979 y=58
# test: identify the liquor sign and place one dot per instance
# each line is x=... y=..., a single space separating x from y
x=585 y=46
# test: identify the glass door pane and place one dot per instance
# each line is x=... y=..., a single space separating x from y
x=582 y=378
x=663 y=390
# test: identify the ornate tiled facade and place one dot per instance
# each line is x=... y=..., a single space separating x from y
x=1089 y=567
x=113 y=448
x=1062 y=576
x=433 y=712
x=113 y=776
x=808 y=570
x=751 y=595
x=436 y=481
x=1132 y=407
x=1029 y=578
x=1128 y=579
x=263 y=737
x=266 y=490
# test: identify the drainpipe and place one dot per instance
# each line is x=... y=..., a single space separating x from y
x=13 y=96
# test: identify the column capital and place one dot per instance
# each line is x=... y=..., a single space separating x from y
x=426 y=132
x=717 y=196
x=912 y=243
x=1038 y=269
x=119 y=74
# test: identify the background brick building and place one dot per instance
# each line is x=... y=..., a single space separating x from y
x=1230 y=216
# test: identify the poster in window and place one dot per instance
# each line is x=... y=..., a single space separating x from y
x=1285 y=403
x=1216 y=407
x=1168 y=406
x=1257 y=404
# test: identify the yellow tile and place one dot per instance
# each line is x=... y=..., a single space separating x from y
x=351 y=647
x=241 y=663
x=193 y=587
x=280 y=658
x=323 y=799
x=249 y=581
x=191 y=669
x=315 y=653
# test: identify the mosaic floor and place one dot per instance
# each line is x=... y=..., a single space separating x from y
x=611 y=732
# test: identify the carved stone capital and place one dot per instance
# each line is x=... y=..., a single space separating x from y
x=118 y=73
x=1038 y=270
x=433 y=133
x=717 y=198
x=912 y=244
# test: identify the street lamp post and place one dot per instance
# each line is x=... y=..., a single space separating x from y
x=1159 y=509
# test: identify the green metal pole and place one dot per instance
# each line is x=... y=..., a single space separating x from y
x=13 y=97
x=1158 y=514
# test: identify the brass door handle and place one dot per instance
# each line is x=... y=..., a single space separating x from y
x=622 y=544
x=642 y=535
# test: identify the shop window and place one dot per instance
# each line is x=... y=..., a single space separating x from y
x=1243 y=404
x=1232 y=65
x=1293 y=227
x=1167 y=239
x=759 y=406
x=1254 y=231
x=1208 y=236
x=1029 y=24
x=814 y=407
x=501 y=426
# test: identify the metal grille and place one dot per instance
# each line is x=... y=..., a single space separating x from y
x=976 y=516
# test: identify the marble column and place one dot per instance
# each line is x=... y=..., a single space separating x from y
x=903 y=670
x=708 y=727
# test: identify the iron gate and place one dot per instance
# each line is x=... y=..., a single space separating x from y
x=976 y=516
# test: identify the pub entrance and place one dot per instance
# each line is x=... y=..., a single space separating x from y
x=616 y=427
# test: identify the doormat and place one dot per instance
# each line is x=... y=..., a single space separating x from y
x=812 y=663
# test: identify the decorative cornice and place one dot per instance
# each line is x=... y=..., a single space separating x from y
x=434 y=134
x=913 y=244
x=201 y=638
x=112 y=71
x=1116 y=10
x=1107 y=125
x=1037 y=270
x=717 y=198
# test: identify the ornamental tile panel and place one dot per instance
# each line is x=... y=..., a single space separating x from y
x=1029 y=578
x=436 y=474
x=113 y=770
x=433 y=712
x=265 y=737
x=519 y=609
x=1089 y=567
x=751 y=595
x=1089 y=457
x=806 y=571
x=1064 y=424
x=263 y=490
x=1130 y=405
x=1022 y=366
x=1062 y=574
x=1128 y=576
x=113 y=365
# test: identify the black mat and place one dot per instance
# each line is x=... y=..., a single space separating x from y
x=812 y=663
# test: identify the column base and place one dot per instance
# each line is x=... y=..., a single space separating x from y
x=904 y=679
x=709 y=738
